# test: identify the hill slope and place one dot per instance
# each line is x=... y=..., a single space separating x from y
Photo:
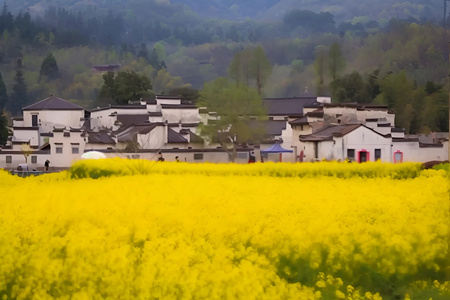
x=344 y=10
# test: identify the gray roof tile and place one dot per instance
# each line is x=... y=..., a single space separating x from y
x=53 y=103
x=288 y=106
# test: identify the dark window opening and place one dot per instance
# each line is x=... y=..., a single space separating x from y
x=377 y=154
x=34 y=120
x=351 y=154
x=198 y=156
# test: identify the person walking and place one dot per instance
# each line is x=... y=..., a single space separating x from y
x=46 y=165
x=160 y=157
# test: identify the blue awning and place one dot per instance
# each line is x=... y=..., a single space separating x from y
x=276 y=148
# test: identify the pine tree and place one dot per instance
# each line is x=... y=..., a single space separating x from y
x=19 y=96
x=4 y=131
x=3 y=94
x=49 y=68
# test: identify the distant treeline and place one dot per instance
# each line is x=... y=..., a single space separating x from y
x=65 y=28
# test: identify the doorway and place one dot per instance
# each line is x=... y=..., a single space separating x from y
x=363 y=156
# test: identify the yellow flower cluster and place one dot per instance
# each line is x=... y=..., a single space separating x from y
x=187 y=231
x=121 y=167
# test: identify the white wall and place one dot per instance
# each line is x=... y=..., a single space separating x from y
x=434 y=153
x=181 y=115
x=161 y=100
x=155 y=139
x=412 y=152
x=20 y=159
x=363 y=138
x=65 y=159
x=26 y=135
x=50 y=118
x=365 y=114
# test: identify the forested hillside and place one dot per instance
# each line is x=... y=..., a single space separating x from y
x=401 y=62
x=344 y=10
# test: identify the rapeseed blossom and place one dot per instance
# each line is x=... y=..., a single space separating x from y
x=145 y=230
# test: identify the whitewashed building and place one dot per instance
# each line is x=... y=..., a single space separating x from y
x=313 y=128
x=61 y=132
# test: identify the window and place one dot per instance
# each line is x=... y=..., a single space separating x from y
x=198 y=156
x=242 y=155
x=75 y=150
x=316 y=150
x=34 y=120
x=59 y=149
x=8 y=159
x=377 y=154
x=351 y=154
x=34 y=159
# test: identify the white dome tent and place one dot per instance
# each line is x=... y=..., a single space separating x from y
x=93 y=155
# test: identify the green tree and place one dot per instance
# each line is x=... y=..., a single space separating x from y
x=260 y=68
x=350 y=88
x=126 y=86
x=160 y=51
x=336 y=61
x=239 y=69
x=250 y=67
x=3 y=93
x=49 y=68
x=186 y=93
x=4 y=131
x=397 y=91
x=19 y=96
x=235 y=108
x=319 y=69
x=298 y=65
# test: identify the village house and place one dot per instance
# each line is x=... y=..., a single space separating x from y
x=297 y=129
x=61 y=132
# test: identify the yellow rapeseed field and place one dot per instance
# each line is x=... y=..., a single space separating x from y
x=129 y=229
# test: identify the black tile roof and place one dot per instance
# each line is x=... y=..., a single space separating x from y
x=178 y=106
x=127 y=133
x=288 y=106
x=318 y=113
x=132 y=119
x=300 y=121
x=328 y=132
x=174 y=137
x=53 y=103
x=100 y=138
x=274 y=127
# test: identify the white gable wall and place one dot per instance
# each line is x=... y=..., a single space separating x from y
x=50 y=118
x=155 y=139
x=364 y=139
